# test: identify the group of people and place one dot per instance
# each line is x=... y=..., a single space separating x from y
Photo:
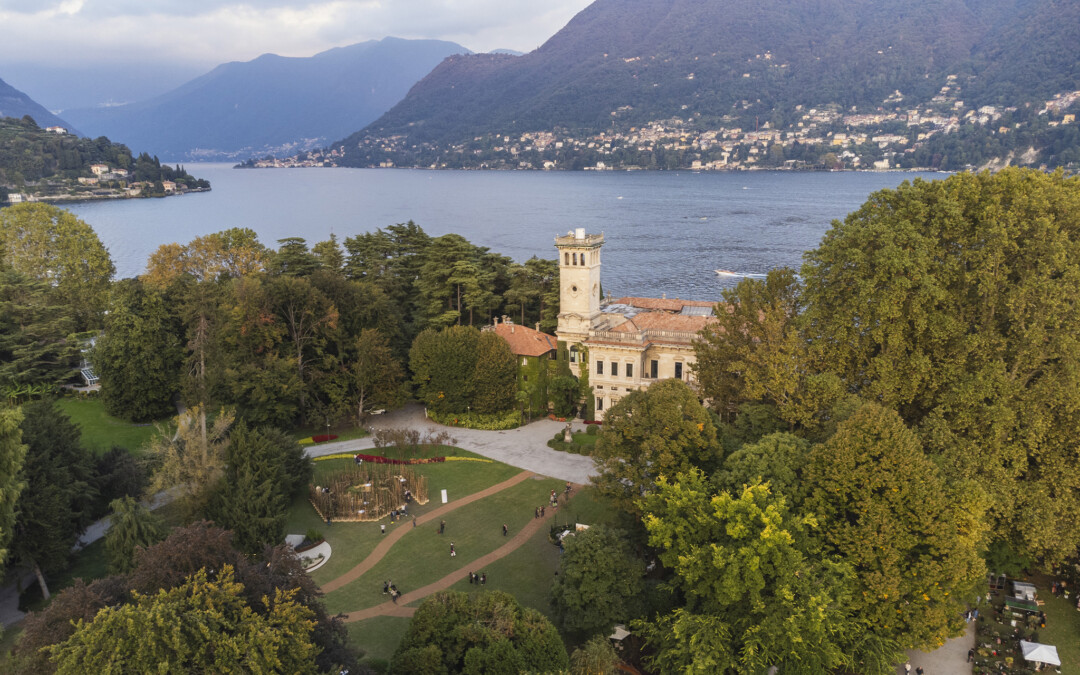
x=475 y=578
x=389 y=587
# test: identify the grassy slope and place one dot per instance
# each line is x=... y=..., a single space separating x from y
x=101 y=431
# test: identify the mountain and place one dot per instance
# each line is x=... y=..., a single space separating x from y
x=272 y=103
x=14 y=103
x=626 y=63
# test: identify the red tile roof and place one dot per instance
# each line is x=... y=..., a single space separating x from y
x=525 y=341
x=664 y=321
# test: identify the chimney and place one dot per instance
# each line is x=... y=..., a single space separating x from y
x=511 y=328
x=537 y=326
x=663 y=296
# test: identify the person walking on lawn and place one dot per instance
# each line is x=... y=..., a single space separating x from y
x=442 y=526
x=505 y=529
x=453 y=553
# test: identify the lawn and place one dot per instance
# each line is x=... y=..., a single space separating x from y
x=349 y=433
x=101 y=431
x=528 y=572
x=1062 y=628
x=422 y=556
x=582 y=444
x=378 y=637
x=88 y=564
x=351 y=542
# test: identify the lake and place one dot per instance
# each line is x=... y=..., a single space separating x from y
x=666 y=231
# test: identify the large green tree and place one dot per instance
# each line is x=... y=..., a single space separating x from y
x=955 y=302
x=377 y=375
x=489 y=632
x=443 y=363
x=139 y=355
x=911 y=538
x=190 y=458
x=660 y=431
x=758 y=591
x=264 y=469
x=494 y=380
x=53 y=246
x=35 y=348
x=204 y=625
x=599 y=582
x=12 y=457
x=132 y=525
x=56 y=504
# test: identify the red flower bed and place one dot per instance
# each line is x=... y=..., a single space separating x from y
x=376 y=459
x=594 y=421
x=322 y=438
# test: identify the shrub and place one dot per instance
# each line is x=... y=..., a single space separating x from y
x=510 y=419
x=591 y=429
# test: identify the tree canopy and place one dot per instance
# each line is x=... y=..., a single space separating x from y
x=954 y=302
x=53 y=246
x=661 y=431
x=599 y=582
x=484 y=633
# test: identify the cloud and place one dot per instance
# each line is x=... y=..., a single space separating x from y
x=208 y=32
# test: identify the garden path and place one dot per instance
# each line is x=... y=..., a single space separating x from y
x=391 y=609
x=386 y=542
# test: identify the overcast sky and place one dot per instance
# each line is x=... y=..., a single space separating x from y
x=209 y=32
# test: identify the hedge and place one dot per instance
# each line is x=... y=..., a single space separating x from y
x=510 y=419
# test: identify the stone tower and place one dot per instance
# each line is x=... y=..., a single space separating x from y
x=579 y=284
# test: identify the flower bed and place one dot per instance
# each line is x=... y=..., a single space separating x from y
x=376 y=459
x=323 y=438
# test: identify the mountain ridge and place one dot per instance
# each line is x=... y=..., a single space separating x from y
x=15 y=103
x=646 y=60
x=272 y=102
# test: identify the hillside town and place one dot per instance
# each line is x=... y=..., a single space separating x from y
x=822 y=137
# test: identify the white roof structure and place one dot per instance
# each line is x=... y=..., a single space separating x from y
x=1034 y=651
x=621 y=633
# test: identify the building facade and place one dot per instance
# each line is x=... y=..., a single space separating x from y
x=625 y=344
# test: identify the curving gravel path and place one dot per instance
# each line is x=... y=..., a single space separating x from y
x=524 y=447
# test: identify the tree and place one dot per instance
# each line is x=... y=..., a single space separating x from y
x=660 y=431
x=34 y=329
x=328 y=254
x=911 y=539
x=494 y=380
x=599 y=582
x=443 y=364
x=138 y=357
x=203 y=625
x=189 y=460
x=595 y=657
x=483 y=633
x=132 y=526
x=952 y=302
x=53 y=246
x=777 y=459
x=378 y=377
x=308 y=318
x=755 y=353
x=12 y=457
x=232 y=253
x=56 y=504
x=758 y=593
x=293 y=258
x=253 y=496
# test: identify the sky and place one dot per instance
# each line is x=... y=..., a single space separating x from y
x=185 y=38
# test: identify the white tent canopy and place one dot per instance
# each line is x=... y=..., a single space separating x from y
x=1033 y=651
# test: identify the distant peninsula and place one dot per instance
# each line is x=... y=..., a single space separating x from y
x=54 y=165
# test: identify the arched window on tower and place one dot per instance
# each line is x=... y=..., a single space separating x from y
x=566 y=258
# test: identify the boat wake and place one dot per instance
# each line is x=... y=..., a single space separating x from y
x=741 y=275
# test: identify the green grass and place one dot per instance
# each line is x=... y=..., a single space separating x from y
x=351 y=542
x=582 y=444
x=378 y=637
x=528 y=572
x=101 y=431
x=88 y=564
x=422 y=556
x=1062 y=628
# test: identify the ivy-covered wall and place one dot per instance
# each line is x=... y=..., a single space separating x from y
x=563 y=368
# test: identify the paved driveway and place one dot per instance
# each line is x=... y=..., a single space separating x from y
x=524 y=447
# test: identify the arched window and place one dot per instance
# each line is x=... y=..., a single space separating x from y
x=566 y=258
